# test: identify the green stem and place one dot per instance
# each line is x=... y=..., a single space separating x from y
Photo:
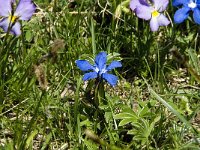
x=29 y=127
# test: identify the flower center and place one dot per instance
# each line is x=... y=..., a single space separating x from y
x=96 y=70
x=12 y=18
x=192 y=5
x=103 y=71
x=100 y=71
x=155 y=13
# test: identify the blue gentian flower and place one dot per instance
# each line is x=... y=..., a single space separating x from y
x=187 y=6
x=151 y=11
x=99 y=69
x=11 y=16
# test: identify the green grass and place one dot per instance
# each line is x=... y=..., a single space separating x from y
x=44 y=104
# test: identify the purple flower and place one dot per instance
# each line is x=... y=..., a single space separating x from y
x=23 y=11
x=188 y=6
x=135 y=3
x=152 y=12
x=99 y=69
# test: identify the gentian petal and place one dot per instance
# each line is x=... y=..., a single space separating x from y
x=100 y=60
x=160 y=5
x=144 y=12
x=154 y=25
x=113 y=65
x=89 y=75
x=181 y=14
x=198 y=2
x=4 y=23
x=111 y=79
x=5 y=7
x=84 y=65
x=25 y=9
x=180 y=2
x=16 y=29
x=162 y=20
x=196 y=15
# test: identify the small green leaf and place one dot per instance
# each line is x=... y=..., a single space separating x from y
x=126 y=121
x=30 y=138
x=90 y=145
x=124 y=116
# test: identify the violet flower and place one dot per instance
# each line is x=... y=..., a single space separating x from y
x=99 y=69
x=187 y=6
x=135 y=3
x=152 y=12
x=11 y=16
